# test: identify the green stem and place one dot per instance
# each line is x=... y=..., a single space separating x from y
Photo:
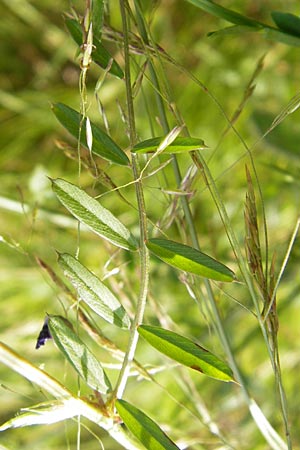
x=144 y=254
x=273 y=439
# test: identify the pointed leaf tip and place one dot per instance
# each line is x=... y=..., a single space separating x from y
x=90 y=212
x=186 y=352
x=189 y=259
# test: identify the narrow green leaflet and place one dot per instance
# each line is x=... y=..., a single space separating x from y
x=99 y=54
x=144 y=428
x=102 y=146
x=93 y=292
x=89 y=211
x=97 y=18
x=78 y=354
x=189 y=259
x=186 y=352
x=289 y=23
x=179 y=145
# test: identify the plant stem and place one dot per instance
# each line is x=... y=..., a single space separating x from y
x=270 y=435
x=144 y=254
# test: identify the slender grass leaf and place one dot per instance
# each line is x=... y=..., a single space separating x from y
x=80 y=406
x=226 y=14
x=179 y=145
x=232 y=30
x=32 y=373
x=78 y=354
x=99 y=53
x=44 y=413
x=144 y=428
x=93 y=292
x=186 y=352
x=189 y=259
x=289 y=23
x=89 y=211
x=102 y=146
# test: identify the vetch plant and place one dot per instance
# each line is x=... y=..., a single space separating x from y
x=174 y=242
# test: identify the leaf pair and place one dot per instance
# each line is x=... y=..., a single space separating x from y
x=185 y=352
x=102 y=144
x=173 y=345
x=91 y=213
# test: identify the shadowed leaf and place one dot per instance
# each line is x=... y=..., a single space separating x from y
x=102 y=145
x=99 y=53
x=144 y=428
x=78 y=354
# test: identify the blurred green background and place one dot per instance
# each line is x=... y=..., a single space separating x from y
x=39 y=65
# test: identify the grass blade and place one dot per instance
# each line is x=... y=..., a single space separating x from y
x=44 y=414
x=80 y=407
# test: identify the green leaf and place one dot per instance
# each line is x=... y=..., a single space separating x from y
x=226 y=14
x=190 y=260
x=144 y=428
x=179 y=145
x=289 y=23
x=78 y=354
x=102 y=146
x=97 y=18
x=186 y=352
x=232 y=30
x=99 y=53
x=93 y=292
x=89 y=211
